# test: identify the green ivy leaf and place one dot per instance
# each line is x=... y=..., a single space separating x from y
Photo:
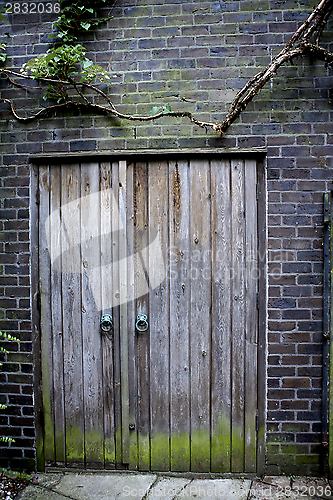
x=3 y=55
x=86 y=63
x=2 y=18
x=155 y=110
x=166 y=109
x=49 y=57
x=6 y=439
x=85 y=26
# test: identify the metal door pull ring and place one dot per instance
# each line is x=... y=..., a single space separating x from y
x=141 y=323
x=106 y=322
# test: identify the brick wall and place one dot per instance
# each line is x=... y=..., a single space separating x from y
x=193 y=55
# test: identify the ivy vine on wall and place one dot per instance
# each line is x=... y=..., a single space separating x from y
x=7 y=338
x=72 y=79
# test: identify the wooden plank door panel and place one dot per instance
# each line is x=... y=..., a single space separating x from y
x=107 y=287
x=45 y=315
x=123 y=327
x=56 y=319
x=221 y=316
x=91 y=338
x=116 y=311
x=199 y=275
x=132 y=352
x=238 y=314
x=251 y=317
x=179 y=254
x=175 y=240
x=141 y=284
x=158 y=318
x=71 y=313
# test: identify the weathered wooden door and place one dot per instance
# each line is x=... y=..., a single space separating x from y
x=175 y=240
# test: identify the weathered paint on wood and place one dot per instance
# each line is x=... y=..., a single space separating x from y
x=176 y=240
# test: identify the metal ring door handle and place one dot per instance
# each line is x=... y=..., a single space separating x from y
x=106 y=322
x=141 y=323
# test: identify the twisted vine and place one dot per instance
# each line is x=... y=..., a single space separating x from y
x=65 y=68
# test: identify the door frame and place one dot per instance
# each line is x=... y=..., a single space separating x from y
x=259 y=154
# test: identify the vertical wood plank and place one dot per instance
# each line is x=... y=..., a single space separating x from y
x=141 y=263
x=132 y=366
x=106 y=307
x=221 y=316
x=179 y=253
x=159 y=318
x=238 y=314
x=45 y=315
x=56 y=317
x=92 y=353
x=123 y=310
x=251 y=318
x=200 y=276
x=116 y=300
x=71 y=310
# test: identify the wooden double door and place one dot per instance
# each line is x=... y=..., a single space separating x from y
x=174 y=239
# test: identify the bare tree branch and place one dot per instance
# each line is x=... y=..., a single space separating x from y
x=41 y=112
x=299 y=45
x=318 y=52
